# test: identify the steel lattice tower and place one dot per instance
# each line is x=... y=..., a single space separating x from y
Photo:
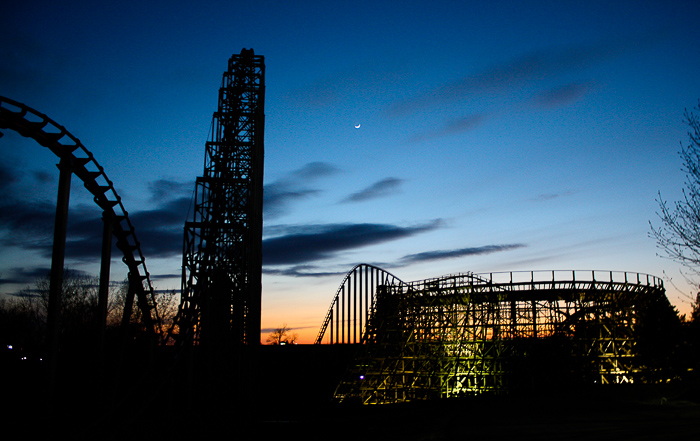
x=222 y=256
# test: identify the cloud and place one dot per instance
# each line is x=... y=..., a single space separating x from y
x=25 y=279
x=362 y=79
x=296 y=328
x=451 y=127
x=561 y=95
x=379 y=189
x=317 y=242
x=7 y=177
x=309 y=270
x=28 y=224
x=24 y=276
x=429 y=256
x=549 y=196
x=302 y=271
x=531 y=67
x=43 y=177
x=167 y=189
x=160 y=230
x=315 y=170
x=278 y=195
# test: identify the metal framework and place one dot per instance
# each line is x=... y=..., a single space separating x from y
x=77 y=160
x=222 y=256
x=470 y=334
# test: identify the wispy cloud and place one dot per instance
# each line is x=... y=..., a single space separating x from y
x=549 y=196
x=279 y=194
x=315 y=271
x=27 y=224
x=23 y=275
x=530 y=67
x=315 y=170
x=563 y=95
x=165 y=189
x=160 y=230
x=296 y=328
x=311 y=243
x=379 y=189
x=334 y=87
x=429 y=256
x=451 y=127
x=43 y=177
x=7 y=177
x=303 y=271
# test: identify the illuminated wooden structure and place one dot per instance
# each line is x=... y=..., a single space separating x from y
x=469 y=334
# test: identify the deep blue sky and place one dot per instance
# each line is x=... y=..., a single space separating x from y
x=494 y=136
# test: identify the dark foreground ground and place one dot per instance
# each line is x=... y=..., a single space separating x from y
x=290 y=400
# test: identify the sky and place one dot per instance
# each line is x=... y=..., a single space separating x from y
x=427 y=138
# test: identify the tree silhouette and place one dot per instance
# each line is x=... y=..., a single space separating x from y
x=678 y=236
x=281 y=336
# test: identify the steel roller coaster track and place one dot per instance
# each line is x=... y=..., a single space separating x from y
x=47 y=133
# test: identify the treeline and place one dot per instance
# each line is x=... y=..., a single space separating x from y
x=23 y=316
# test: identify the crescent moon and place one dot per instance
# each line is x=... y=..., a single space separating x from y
x=358 y=126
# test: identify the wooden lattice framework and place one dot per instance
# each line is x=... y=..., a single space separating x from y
x=470 y=334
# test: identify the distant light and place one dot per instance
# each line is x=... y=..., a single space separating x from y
x=283 y=343
x=24 y=358
x=9 y=347
x=362 y=377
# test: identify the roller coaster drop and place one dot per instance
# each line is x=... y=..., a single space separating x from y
x=465 y=334
x=222 y=257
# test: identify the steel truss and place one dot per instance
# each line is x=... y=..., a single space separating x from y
x=222 y=257
x=470 y=334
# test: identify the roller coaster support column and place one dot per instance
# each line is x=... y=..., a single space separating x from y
x=57 y=260
x=103 y=298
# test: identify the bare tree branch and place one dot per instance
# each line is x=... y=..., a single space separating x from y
x=678 y=236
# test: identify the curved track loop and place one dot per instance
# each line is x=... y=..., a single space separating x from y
x=32 y=124
x=353 y=303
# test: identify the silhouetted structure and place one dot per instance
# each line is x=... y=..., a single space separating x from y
x=222 y=259
x=76 y=159
x=469 y=334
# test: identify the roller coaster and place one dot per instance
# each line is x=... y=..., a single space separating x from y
x=471 y=334
x=451 y=336
x=76 y=159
